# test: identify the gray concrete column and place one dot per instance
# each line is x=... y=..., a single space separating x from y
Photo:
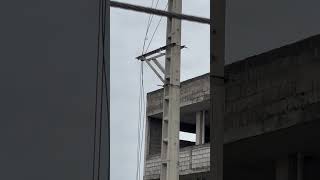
x=290 y=168
x=282 y=169
x=217 y=87
x=200 y=127
x=300 y=163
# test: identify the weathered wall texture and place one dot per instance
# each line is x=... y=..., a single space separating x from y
x=266 y=92
x=193 y=159
x=192 y=91
x=155 y=132
x=273 y=90
x=48 y=65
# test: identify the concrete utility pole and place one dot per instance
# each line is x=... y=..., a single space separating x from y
x=217 y=89
x=171 y=102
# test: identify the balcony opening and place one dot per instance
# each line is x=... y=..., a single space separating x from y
x=186 y=136
x=187 y=139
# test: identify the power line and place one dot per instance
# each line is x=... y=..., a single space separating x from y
x=159 y=12
x=101 y=90
x=141 y=124
x=142 y=107
x=144 y=110
x=151 y=15
x=140 y=99
x=156 y=29
x=97 y=91
x=103 y=86
x=148 y=26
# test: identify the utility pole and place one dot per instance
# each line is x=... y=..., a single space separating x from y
x=171 y=93
x=217 y=88
x=171 y=101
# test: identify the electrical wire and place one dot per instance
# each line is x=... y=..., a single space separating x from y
x=147 y=29
x=148 y=26
x=158 y=12
x=139 y=126
x=141 y=122
x=104 y=87
x=97 y=91
x=154 y=32
x=143 y=114
x=102 y=90
x=142 y=103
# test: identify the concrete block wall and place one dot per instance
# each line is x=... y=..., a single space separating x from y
x=273 y=90
x=184 y=160
x=201 y=158
x=152 y=167
x=192 y=91
x=193 y=159
x=264 y=93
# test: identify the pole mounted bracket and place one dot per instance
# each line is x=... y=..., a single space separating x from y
x=174 y=85
x=163 y=48
x=145 y=57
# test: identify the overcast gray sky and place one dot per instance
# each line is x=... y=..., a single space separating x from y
x=253 y=27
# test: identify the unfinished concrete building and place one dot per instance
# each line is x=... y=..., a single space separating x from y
x=271 y=118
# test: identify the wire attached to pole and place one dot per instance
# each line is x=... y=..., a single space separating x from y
x=102 y=90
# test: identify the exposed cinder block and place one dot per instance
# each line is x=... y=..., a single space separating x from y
x=233 y=92
x=264 y=93
x=277 y=107
x=304 y=85
x=254 y=100
x=269 y=95
x=248 y=89
x=240 y=105
x=286 y=89
x=263 y=84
